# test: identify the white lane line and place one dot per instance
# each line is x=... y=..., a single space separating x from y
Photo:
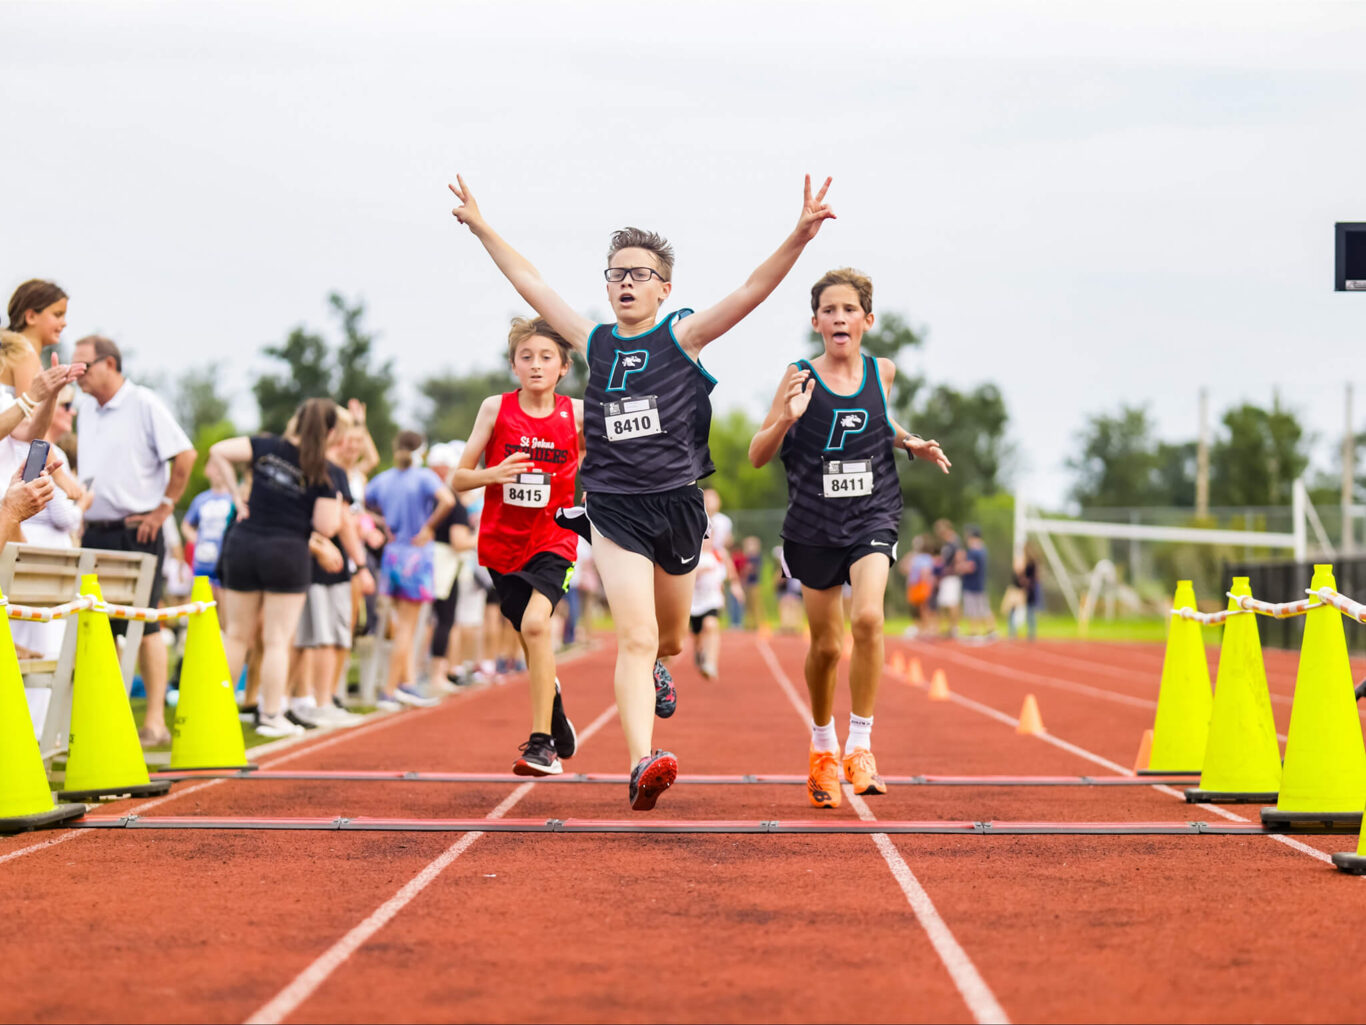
x=290 y=744
x=1036 y=678
x=982 y=1003
x=1091 y=756
x=1133 y=674
x=306 y=983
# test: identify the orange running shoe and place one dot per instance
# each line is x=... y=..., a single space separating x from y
x=823 y=784
x=860 y=769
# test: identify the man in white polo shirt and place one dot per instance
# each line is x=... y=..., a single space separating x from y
x=125 y=437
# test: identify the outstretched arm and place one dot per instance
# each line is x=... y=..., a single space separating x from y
x=917 y=446
x=789 y=403
x=695 y=332
x=571 y=325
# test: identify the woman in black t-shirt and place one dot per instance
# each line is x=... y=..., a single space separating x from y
x=266 y=562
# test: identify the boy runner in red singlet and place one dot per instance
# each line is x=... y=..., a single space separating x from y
x=530 y=441
x=647 y=408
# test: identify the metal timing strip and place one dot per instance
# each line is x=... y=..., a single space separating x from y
x=367 y=776
x=667 y=826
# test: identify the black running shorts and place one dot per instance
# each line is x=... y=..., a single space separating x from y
x=695 y=622
x=544 y=573
x=261 y=561
x=666 y=527
x=821 y=567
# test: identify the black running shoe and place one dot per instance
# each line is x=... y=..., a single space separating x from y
x=299 y=720
x=538 y=757
x=666 y=697
x=1361 y=690
x=566 y=739
x=575 y=518
x=652 y=775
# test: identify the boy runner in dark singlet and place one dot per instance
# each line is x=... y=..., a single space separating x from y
x=838 y=441
x=646 y=418
x=529 y=440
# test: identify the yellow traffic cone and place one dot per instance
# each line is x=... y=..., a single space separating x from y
x=1184 y=700
x=917 y=673
x=898 y=665
x=105 y=757
x=939 y=686
x=1031 y=722
x=25 y=800
x=1324 y=780
x=206 y=733
x=1242 y=758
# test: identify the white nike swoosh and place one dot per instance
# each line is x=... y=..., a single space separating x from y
x=880 y=544
x=688 y=559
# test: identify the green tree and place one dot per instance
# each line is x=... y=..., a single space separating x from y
x=1256 y=460
x=1117 y=461
x=314 y=370
x=971 y=428
x=739 y=484
x=453 y=400
x=197 y=402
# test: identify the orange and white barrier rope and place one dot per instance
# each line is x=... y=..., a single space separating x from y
x=37 y=614
x=1279 y=610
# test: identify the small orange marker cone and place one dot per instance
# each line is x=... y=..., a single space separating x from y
x=939 y=686
x=765 y=631
x=917 y=674
x=847 y=647
x=1031 y=723
x=898 y=664
x=1145 y=751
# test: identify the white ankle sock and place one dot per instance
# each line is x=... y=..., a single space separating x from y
x=860 y=733
x=823 y=737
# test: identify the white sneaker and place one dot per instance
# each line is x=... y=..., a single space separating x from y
x=387 y=704
x=410 y=695
x=332 y=716
x=277 y=726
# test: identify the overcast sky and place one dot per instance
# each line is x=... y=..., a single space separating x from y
x=1087 y=203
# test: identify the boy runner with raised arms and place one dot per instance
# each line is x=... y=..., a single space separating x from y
x=646 y=420
x=837 y=440
x=529 y=440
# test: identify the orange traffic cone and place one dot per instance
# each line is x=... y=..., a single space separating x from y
x=1031 y=723
x=898 y=664
x=847 y=646
x=764 y=631
x=939 y=686
x=1145 y=751
x=917 y=674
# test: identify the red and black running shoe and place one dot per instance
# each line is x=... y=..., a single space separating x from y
x=566 y=738
x=666 y=697
x=538 y=757
x=652 y=775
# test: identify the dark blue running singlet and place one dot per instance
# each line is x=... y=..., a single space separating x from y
x=841 y=470
x=646 y=412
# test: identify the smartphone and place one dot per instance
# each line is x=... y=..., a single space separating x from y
x=37 y=459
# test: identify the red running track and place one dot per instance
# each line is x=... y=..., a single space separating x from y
x=484 y=926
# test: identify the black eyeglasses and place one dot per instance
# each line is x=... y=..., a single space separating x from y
x=637 y=273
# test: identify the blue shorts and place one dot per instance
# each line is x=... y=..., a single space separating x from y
x=407 y=572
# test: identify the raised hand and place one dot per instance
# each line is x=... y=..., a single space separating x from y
x=506 y=471
x=815 y=211
x=357 y=410
x=928 y=451
x=798 y=394
x=467 y=213
x=53 y=379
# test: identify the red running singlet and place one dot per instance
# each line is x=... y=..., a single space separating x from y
x=518 y=520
